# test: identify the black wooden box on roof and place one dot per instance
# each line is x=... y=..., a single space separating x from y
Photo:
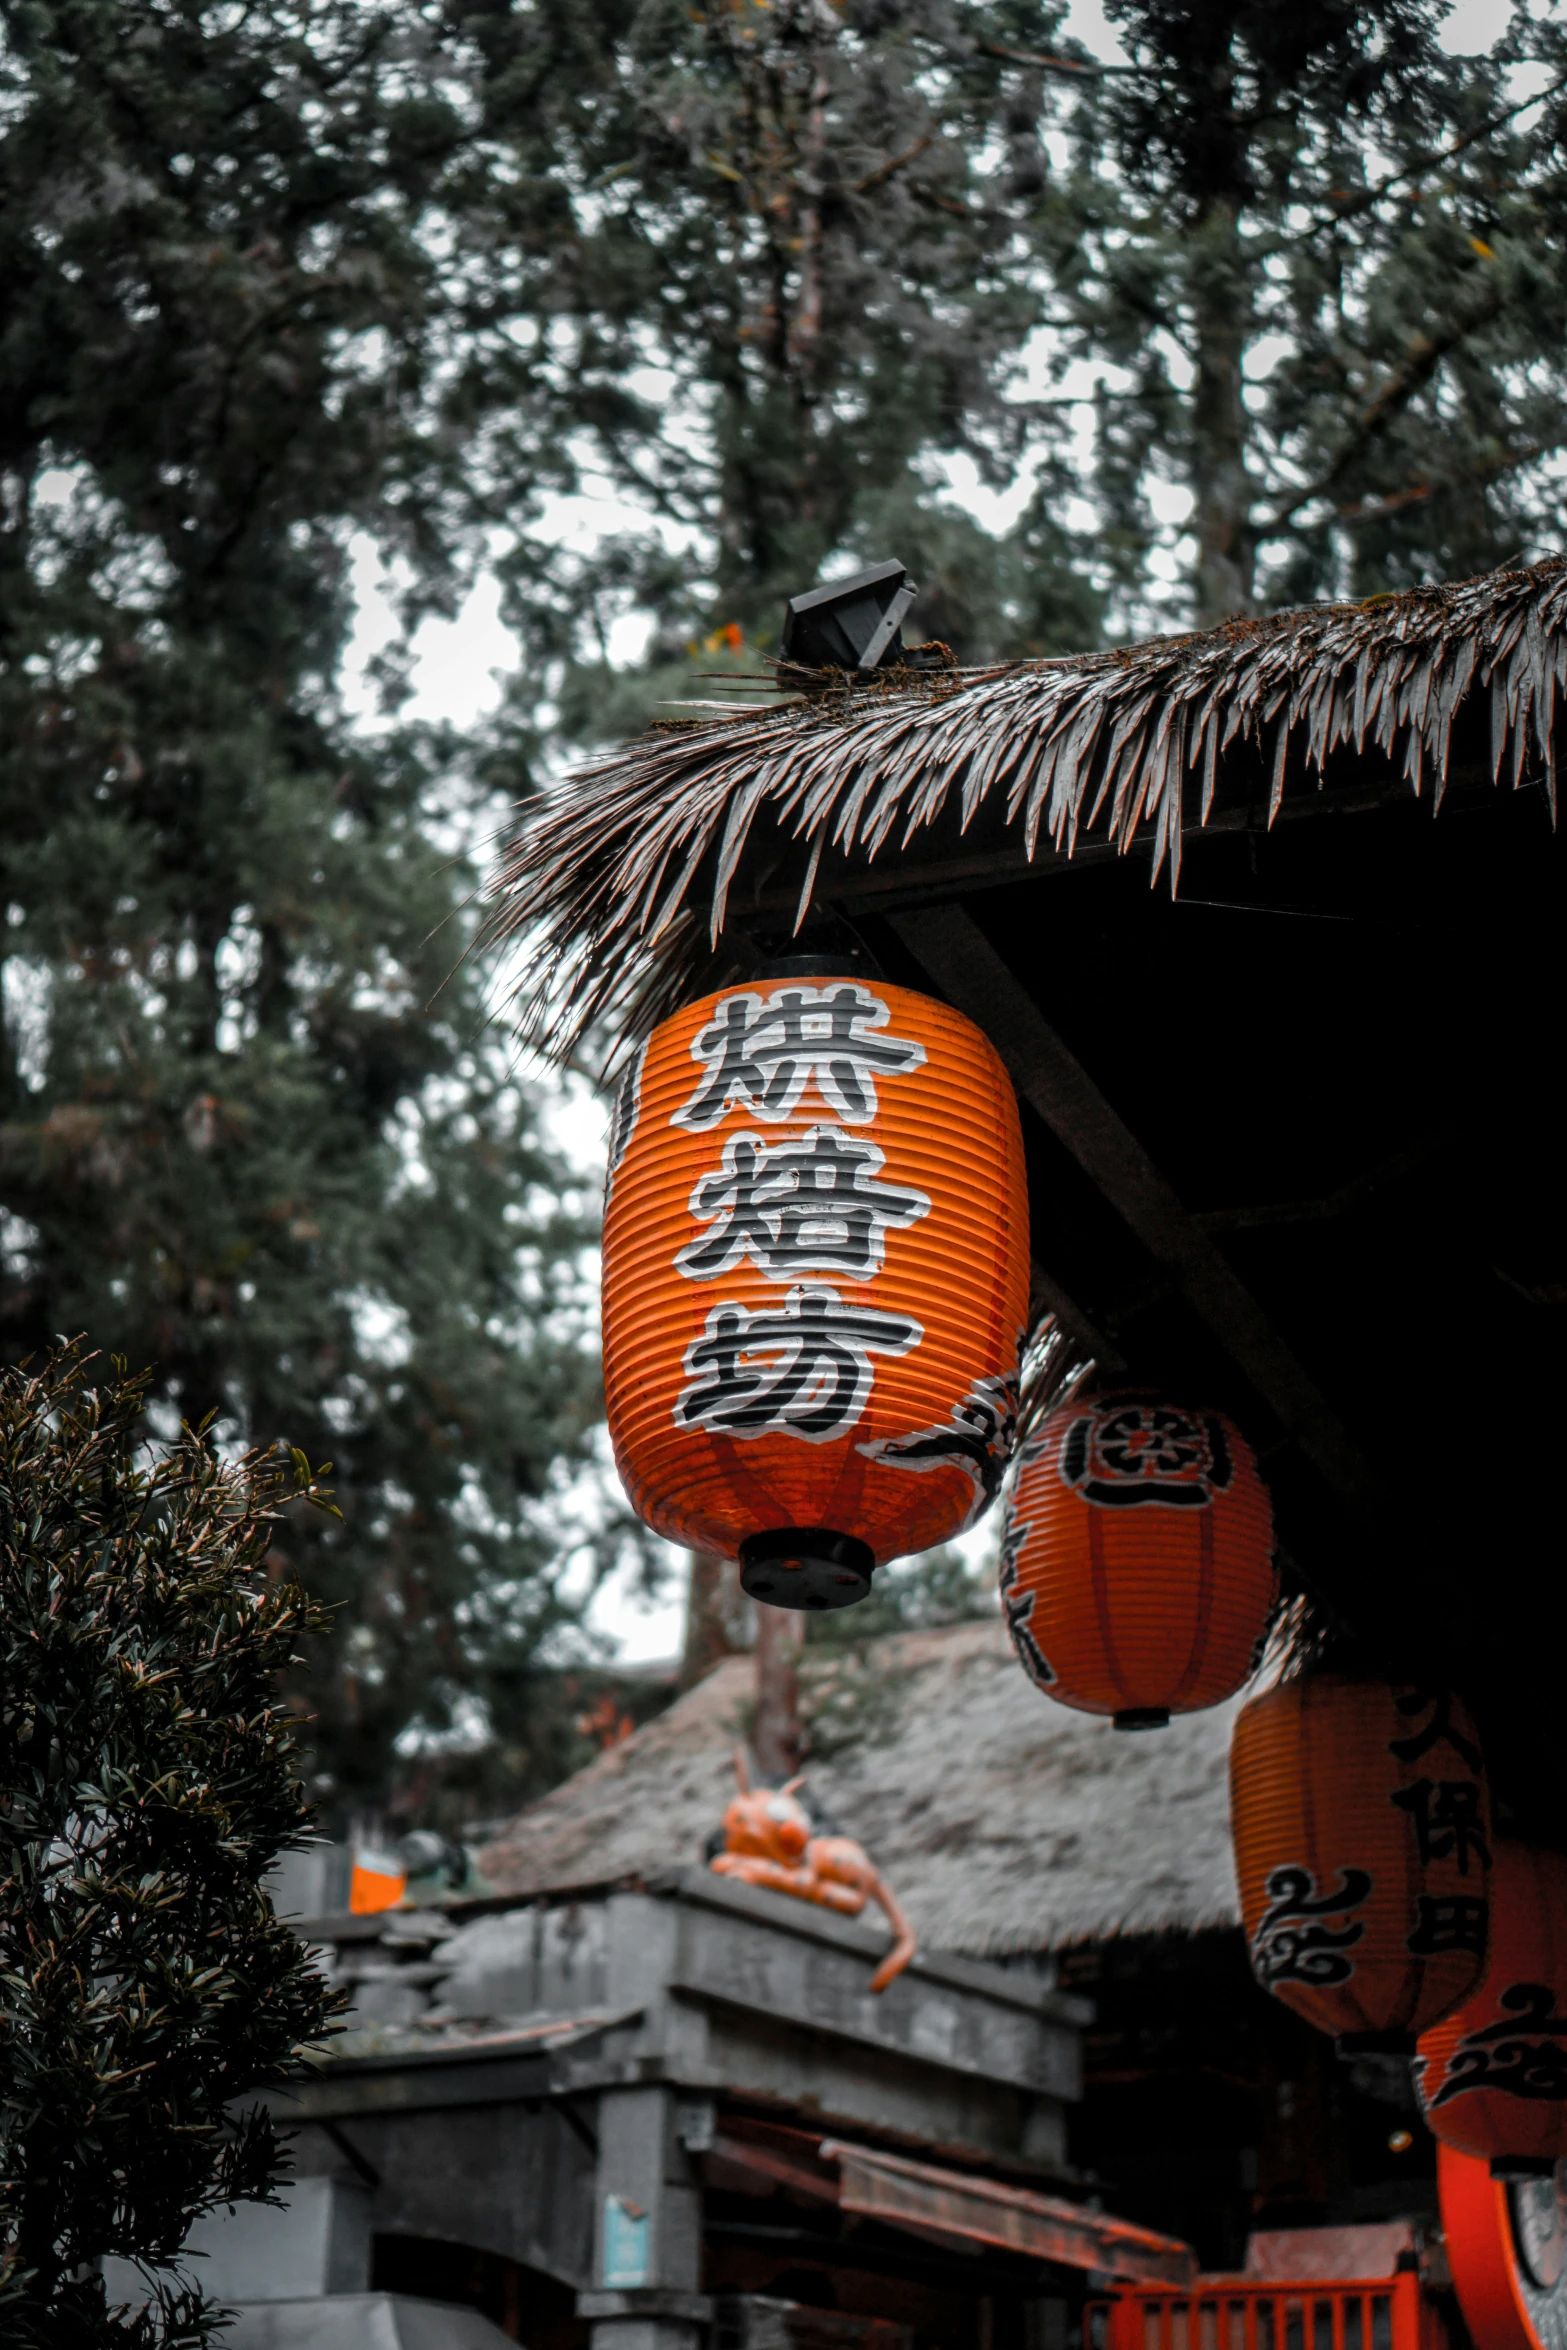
x=1267 y=925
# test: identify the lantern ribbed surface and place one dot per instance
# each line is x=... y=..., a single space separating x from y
x=1492 y=2075
x=1137 y=1567
x=815 y=1268
x=1361 y=1820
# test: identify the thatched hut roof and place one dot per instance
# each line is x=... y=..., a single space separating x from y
x=1005 y=1822
x=625 y=879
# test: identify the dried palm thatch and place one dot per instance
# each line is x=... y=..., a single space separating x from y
x=621 y=882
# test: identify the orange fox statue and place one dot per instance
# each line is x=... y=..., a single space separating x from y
x=768 y=1841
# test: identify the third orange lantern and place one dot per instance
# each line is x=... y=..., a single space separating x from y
x=1492 y=2075
x=1137 y=1569
x=1362 y=1830
x=815 y=1278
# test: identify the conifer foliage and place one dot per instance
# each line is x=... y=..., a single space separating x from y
x=790 y=266
x=147 y=1783
x=254 y=1127
x=1320 y=265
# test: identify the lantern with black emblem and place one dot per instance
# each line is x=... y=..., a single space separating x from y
x=1137 y=1568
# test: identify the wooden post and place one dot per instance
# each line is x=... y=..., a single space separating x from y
x=775 y=1733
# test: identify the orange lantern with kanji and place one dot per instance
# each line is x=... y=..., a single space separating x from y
x=1137 y=1568
x=1492 y=2075
x=1362 y=1827
x=815 y=1279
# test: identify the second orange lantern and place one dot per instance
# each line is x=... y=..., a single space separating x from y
x=1362 y=1826
x=1137 y=1569
x=815 y=1279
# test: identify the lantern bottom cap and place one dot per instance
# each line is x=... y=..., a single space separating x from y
x=1374 y=2044
x=811 y=1567
x=1522 y=2166
x=1142 y=1717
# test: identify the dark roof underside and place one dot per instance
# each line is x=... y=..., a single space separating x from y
x=1352 y=1090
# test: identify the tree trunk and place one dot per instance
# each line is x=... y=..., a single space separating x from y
x=775 y=1735
x=805 y=328
x=720 y=1620
x=1221 y=301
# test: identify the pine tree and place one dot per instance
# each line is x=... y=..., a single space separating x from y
x=787 y=277
x=1317 y=264
x=254 y=1127
x=147 y=1784
x=1321 y=270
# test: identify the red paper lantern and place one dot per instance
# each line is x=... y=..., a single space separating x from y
x=1137 y=1569
x=1362 y=1828
x=815 y=1280
x=1492 y=2075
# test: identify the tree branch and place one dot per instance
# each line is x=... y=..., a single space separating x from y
x=1376 y=509
x=1354 y=206
x=886 y=171
x=1426 y=354
x=1082 y=65
x=661 y=500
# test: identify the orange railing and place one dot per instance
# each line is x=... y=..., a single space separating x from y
x=1240 y=2313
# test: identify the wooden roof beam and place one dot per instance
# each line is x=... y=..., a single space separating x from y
x=972 y=976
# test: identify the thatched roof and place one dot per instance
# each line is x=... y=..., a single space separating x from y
x=622 y=883
x=1005 y=1822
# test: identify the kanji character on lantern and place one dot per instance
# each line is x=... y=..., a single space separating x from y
x=761 y=1054
x=812 y=1205
x=818 y=1378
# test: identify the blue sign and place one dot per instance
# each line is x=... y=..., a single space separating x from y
x=625 y=2244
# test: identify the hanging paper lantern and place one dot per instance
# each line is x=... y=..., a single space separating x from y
x=1492 y=2075
x=1362 y=1830
x=1137 y=1568
x=1506 y=2242
x=815 y=1280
